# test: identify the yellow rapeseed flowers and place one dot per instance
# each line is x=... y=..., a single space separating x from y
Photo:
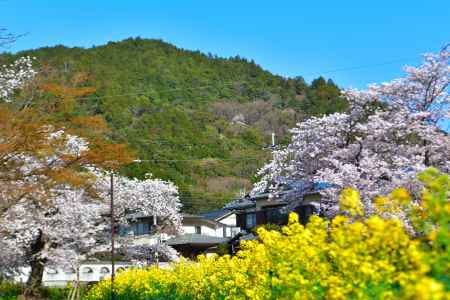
x=350 y=201
x=349 y=257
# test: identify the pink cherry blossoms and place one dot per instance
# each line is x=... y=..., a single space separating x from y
x=389 y=134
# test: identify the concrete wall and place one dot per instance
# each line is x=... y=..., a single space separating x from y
x=89 y=272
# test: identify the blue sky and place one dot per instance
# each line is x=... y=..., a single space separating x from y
x=290 y=38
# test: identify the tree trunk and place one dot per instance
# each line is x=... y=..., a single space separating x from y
x=37 y=268
x=77 y=297
x=35 y=280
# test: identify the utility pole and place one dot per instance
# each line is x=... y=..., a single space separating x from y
x=112 y=233
x=273 y=139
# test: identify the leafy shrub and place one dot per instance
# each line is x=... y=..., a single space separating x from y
x=350 y=257
x=54 y=293
x=9 y=290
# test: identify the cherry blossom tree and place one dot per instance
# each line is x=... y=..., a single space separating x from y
x=150 y=197
x=73 y=225
x=36 y=153
x=55 y=215
x=389 y=134
x=15 y=76
x=60 y=233
x=52 y=204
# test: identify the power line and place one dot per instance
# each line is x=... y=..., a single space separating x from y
x=159 y=142
x=224 y=84
x=362 y=67
x=200 y=159
x=146 y=92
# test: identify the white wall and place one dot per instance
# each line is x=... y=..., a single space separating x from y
x=229 y=220
x=219 y=232
x=145 y=240
x=63 y=276
x=216 y=232
x=208 y=231
x=188 y=229
x=205 y=230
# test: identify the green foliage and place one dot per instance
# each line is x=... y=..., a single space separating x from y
x=323 y=97
x=435 y=221
x=172 y=105
x=223 y=249
x=54 y=293
x=11 y=291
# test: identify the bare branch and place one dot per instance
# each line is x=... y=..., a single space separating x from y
x=7 y=38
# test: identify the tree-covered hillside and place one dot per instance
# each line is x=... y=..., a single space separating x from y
x=202 y=121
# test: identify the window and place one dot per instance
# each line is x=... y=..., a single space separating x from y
x=104 y=270
x=125 y=230
x=250 y=220
x=226 y=231
x=87 y=270
x=276 y=216
x=198 y=230
x=140 y=228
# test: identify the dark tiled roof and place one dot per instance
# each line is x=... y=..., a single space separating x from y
x=189 y=218
x=216 y=214
x=291 y=190
x=242 y=203
x=193 y=238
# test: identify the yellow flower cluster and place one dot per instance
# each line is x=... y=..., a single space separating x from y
x=350 y=201
x=345 y=258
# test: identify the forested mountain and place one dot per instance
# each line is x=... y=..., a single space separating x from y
x=202 y=121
